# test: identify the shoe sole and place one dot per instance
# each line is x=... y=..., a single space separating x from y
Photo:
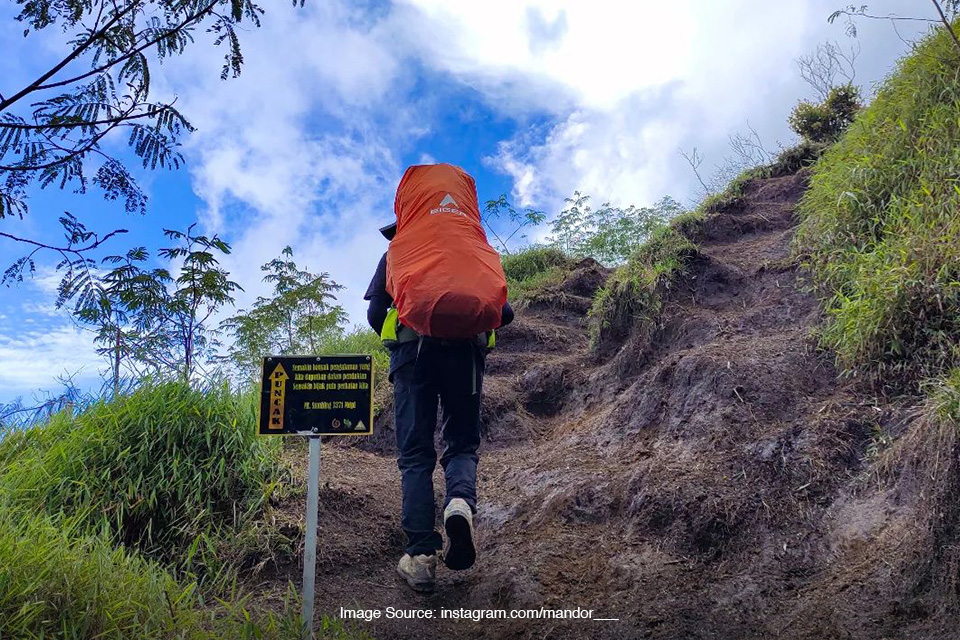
x=416 y=585
x=461 y=552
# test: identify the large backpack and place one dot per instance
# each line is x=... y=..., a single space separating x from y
x=445 y=278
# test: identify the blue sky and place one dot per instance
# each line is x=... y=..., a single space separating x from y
x=534 y=99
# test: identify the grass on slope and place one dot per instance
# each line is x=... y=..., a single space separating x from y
x=633 y=296
x=363 y=340
x=631 y=299
x=534 y=268
x=57 y=582
x=106 y=516
x=881 y=222
x=165 y=469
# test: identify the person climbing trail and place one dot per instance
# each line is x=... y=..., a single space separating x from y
x=438 y=295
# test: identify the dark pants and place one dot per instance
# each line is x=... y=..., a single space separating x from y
x=423 y=375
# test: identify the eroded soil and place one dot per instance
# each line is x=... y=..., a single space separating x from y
x=686 y=483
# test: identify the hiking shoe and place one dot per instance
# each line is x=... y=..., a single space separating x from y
x=460 y=552
x=420 y=572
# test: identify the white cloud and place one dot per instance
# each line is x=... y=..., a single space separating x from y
x=303 y=149
x=33 y=358
x=630 y=83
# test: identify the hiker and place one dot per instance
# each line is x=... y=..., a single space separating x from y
x=436 y=299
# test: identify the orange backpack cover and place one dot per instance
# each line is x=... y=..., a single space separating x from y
x=445 y=279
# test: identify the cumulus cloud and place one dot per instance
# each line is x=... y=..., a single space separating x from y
x=36 y=355
x=304 y=148
x=632 y=83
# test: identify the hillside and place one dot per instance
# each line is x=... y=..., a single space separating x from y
x=748 y=429
x=704 y=479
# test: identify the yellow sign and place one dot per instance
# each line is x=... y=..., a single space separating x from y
x=278 y=391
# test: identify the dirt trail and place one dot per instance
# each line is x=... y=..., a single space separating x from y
x=680 y=484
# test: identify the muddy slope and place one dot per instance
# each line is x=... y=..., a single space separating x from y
x=697 y=483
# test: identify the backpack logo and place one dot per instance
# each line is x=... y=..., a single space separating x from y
x=445 y=207
x=448 y=200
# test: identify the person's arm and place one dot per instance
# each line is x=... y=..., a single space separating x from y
x=380 y=300
x=506 y=315
x=377 y=312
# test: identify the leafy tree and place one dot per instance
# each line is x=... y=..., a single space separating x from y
x=147 y=321
x=109 y=304
x=494 y=209
x=52 y=128
x=175 y=312
x=298 y=318
x=608 y=234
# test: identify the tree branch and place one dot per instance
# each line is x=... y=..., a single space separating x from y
x=38 y=83
x=946 y=24
x=71 y=154
x=69 y=248
x=694 y=159
x=193 y=18
x=89 y=123
x=887 y=17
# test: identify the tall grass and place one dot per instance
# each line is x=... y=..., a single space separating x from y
x=362 y=340
x=57 y=582
x=530 y=270
x=881 y=222
x=165 y=469
x=632 y=297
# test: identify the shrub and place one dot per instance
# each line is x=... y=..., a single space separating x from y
x=880 y=224
x=164 y=468
x=532 y=269
x=362 y=340
x=825 y=122
x=795 y=158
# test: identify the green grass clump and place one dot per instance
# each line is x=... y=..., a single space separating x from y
x=165 y=469
x=790 y=160
x=881 y=222
x=59 y=583
x=802 y=155
x=363 y=340
x=632 y=297
x=946 y=398
x=534 y=268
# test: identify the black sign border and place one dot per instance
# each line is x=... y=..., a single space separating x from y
x=304 y=434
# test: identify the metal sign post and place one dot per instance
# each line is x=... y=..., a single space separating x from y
x=310 y=543
x=313 y=396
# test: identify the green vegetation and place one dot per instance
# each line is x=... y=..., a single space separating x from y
x=534 y=268
x=132 y=518
x=148 y=322
x=632 y=296
x=363 y=340
x=297 y=319
x=946 y=397
x=52 y=126
x=788 y=162
x=608 y=234
x=167 y=469
x=825 y=122
x=880 y=225
x=519 y=220
x=58 y=583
